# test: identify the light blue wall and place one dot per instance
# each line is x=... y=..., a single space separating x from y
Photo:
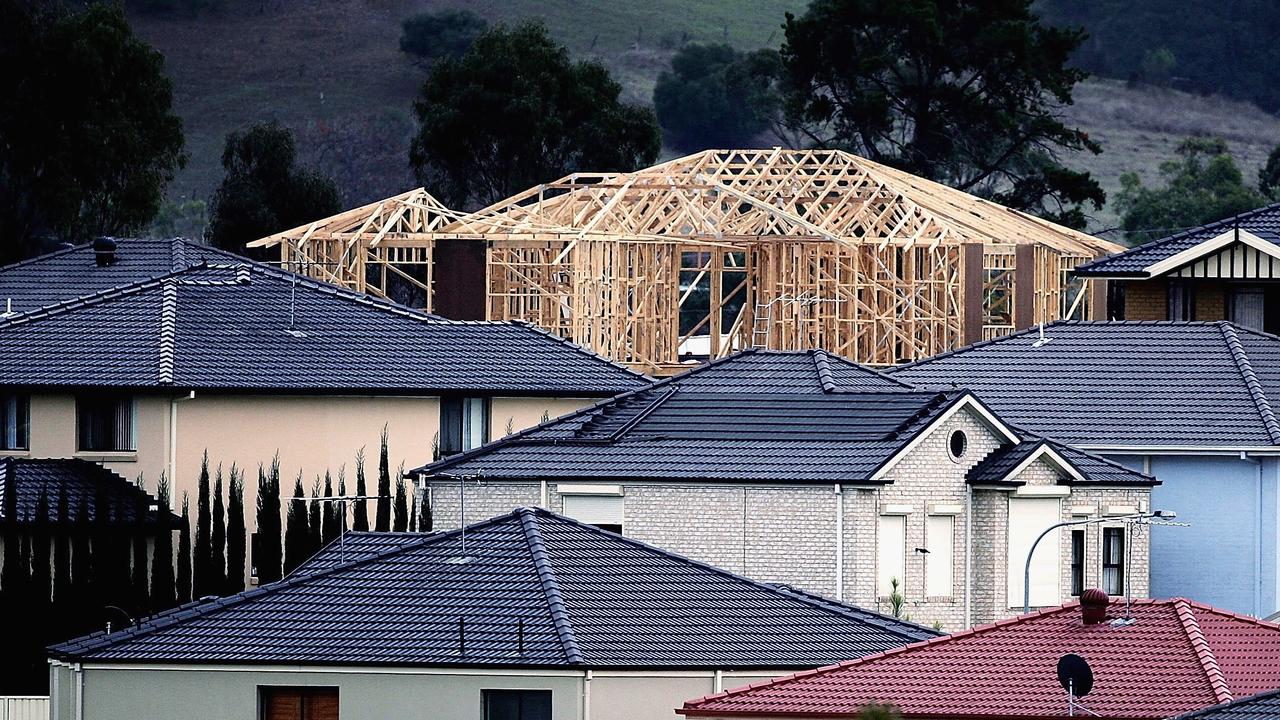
x=1227 y=558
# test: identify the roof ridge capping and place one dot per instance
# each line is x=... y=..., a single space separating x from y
x=1204 y=651
x=1245 y=366
x=550 y=587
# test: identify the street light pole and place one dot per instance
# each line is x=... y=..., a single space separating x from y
x=1132 y=518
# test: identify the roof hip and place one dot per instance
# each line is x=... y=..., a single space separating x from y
x=547 y=576
x=1203 y=651
x=1241 y=358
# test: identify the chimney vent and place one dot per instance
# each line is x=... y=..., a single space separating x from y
x=1093 y=606
x=104 y=251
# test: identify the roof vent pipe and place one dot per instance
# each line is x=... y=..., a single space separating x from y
x=104 y=251
x=1093 y=606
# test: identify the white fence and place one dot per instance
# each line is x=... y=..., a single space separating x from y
x=24 y=708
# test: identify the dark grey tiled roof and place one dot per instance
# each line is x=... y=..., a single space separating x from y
x=249 y=326
x=1263 y=706
x=88 y=488
x=737 y=419
x=1263 y=222
x=1123 y=384
x=995 y=468
x=582 y=596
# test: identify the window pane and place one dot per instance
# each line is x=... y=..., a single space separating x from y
x=893 y=542
x=474 y=422
x=450 y=425
x=517 y=705
x=299 y=703
x=1077 y=562
x=15 y=422
x=105 y=423
x=1113 y=561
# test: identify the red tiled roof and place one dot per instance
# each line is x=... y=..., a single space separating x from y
x=1176 y=657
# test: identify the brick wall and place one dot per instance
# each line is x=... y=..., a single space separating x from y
x=1146 y=300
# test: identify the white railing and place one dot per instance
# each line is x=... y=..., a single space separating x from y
x=24 y=708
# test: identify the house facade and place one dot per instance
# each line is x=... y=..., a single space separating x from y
x=806 y=470
x=531 y=612
x=1190 y=403
x=147 y=354
x=1225 y=270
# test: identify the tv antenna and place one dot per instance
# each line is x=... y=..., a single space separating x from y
x=1076 y=677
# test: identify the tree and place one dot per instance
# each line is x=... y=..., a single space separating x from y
x=442 y=34
x=958 y=91
x=184 y=553
x=297 y=536
x=384 y=486
x=218 y=540
x=315 y=520
x=10 y=577
x=361 y=520
x=331 y=528
x=1204 y=184
x=203 y=580
x=401 y=523
x=89 y=135
x=162 y=588
x=268 y=519
x=81 y=564
x=41 y=545
x=515 y=111
x=63 y=579
x=264 y=191
x=235 y=533
x=340 y=509
x=142 y=525
x=1269 y=176
x=717 y=97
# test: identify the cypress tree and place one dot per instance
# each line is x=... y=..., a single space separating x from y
x=297 y=537
x=413 y=512
x=218 y=540
x=184 y=553
x=268 y=518
x=361 y=520
x=9 y=580
x=384 y=487
x=142 y=526
x=41 y=575
x=402 y=507
x=63 y=588
x=315 y=520
x=82 y=570
x=235 y=533
x=162 y=589
x=331 y=528
x=202 y=581
x=103 y=552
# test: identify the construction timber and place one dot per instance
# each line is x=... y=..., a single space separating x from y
x=718 y=251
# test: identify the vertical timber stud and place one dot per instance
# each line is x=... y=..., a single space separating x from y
x=1098 y=309
x=1024 y=286
x=972 y=300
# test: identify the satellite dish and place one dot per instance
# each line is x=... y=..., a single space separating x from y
x=1075 y=675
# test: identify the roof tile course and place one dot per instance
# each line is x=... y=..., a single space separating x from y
x=1262 y=706
x=1264 y=222
x=86 y=486
x=1176 y=656
x=581 y=596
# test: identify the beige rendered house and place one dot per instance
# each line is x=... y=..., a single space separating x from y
x=143 y=355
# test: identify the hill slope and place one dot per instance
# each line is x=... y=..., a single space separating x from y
x=332 y=70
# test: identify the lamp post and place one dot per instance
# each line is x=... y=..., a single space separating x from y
x=1143 y=517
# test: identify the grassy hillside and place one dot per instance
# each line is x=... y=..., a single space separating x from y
x=332 y=70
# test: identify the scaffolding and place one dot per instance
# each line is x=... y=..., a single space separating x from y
x=727 y=249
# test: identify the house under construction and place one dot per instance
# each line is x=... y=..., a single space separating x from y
x=719 y=251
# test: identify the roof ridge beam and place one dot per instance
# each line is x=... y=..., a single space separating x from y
x=1243 y=364
x=551 y=588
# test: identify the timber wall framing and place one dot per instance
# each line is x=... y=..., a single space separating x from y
x=720 y=251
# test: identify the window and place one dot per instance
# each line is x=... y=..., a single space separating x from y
x=939 y=562
x=1182 y=301
x=1028 y=517
x=893 y=561
x=957 y=444
x=1077 y=562
x=464 y=424
x=1247 y=306
x=1113 y=560
x=104 y=423
x=298 y=703
x=603 y=511
x=517 y=705
x=15 y=422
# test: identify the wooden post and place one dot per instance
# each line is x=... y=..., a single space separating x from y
x=1024 y=286
x=1098 y=299
x=972 y=300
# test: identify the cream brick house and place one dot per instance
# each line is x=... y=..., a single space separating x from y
x=146 y=354
x=806 y=470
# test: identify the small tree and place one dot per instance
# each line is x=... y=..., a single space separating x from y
x=162 y=589
x=235 y=533
x=384 y=486
x=441 y=34
x=268 y=518
x=402 y=507
x=360 y=522
x=315 y=520
x=297 y=536
x=218 y=539
x=264 y=191
x=82 y=566
x=41 y=562
x=203 y=581
x=141 y=527
x=184 y=553
x=330 y=530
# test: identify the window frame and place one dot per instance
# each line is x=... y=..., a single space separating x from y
x=487 y=695
x=304 y=693
x=1079 y=547
x=88 y=403
x=17 y=406
x=457 y=413
x=1109 y=536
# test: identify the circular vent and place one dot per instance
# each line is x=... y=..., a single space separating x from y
x=958 y=444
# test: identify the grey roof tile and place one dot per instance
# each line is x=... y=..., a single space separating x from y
x=1263 y=222
x=1263 y=706
x=584 y=597
x=1123 y=384
x=245 y=325
x=88 y=487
